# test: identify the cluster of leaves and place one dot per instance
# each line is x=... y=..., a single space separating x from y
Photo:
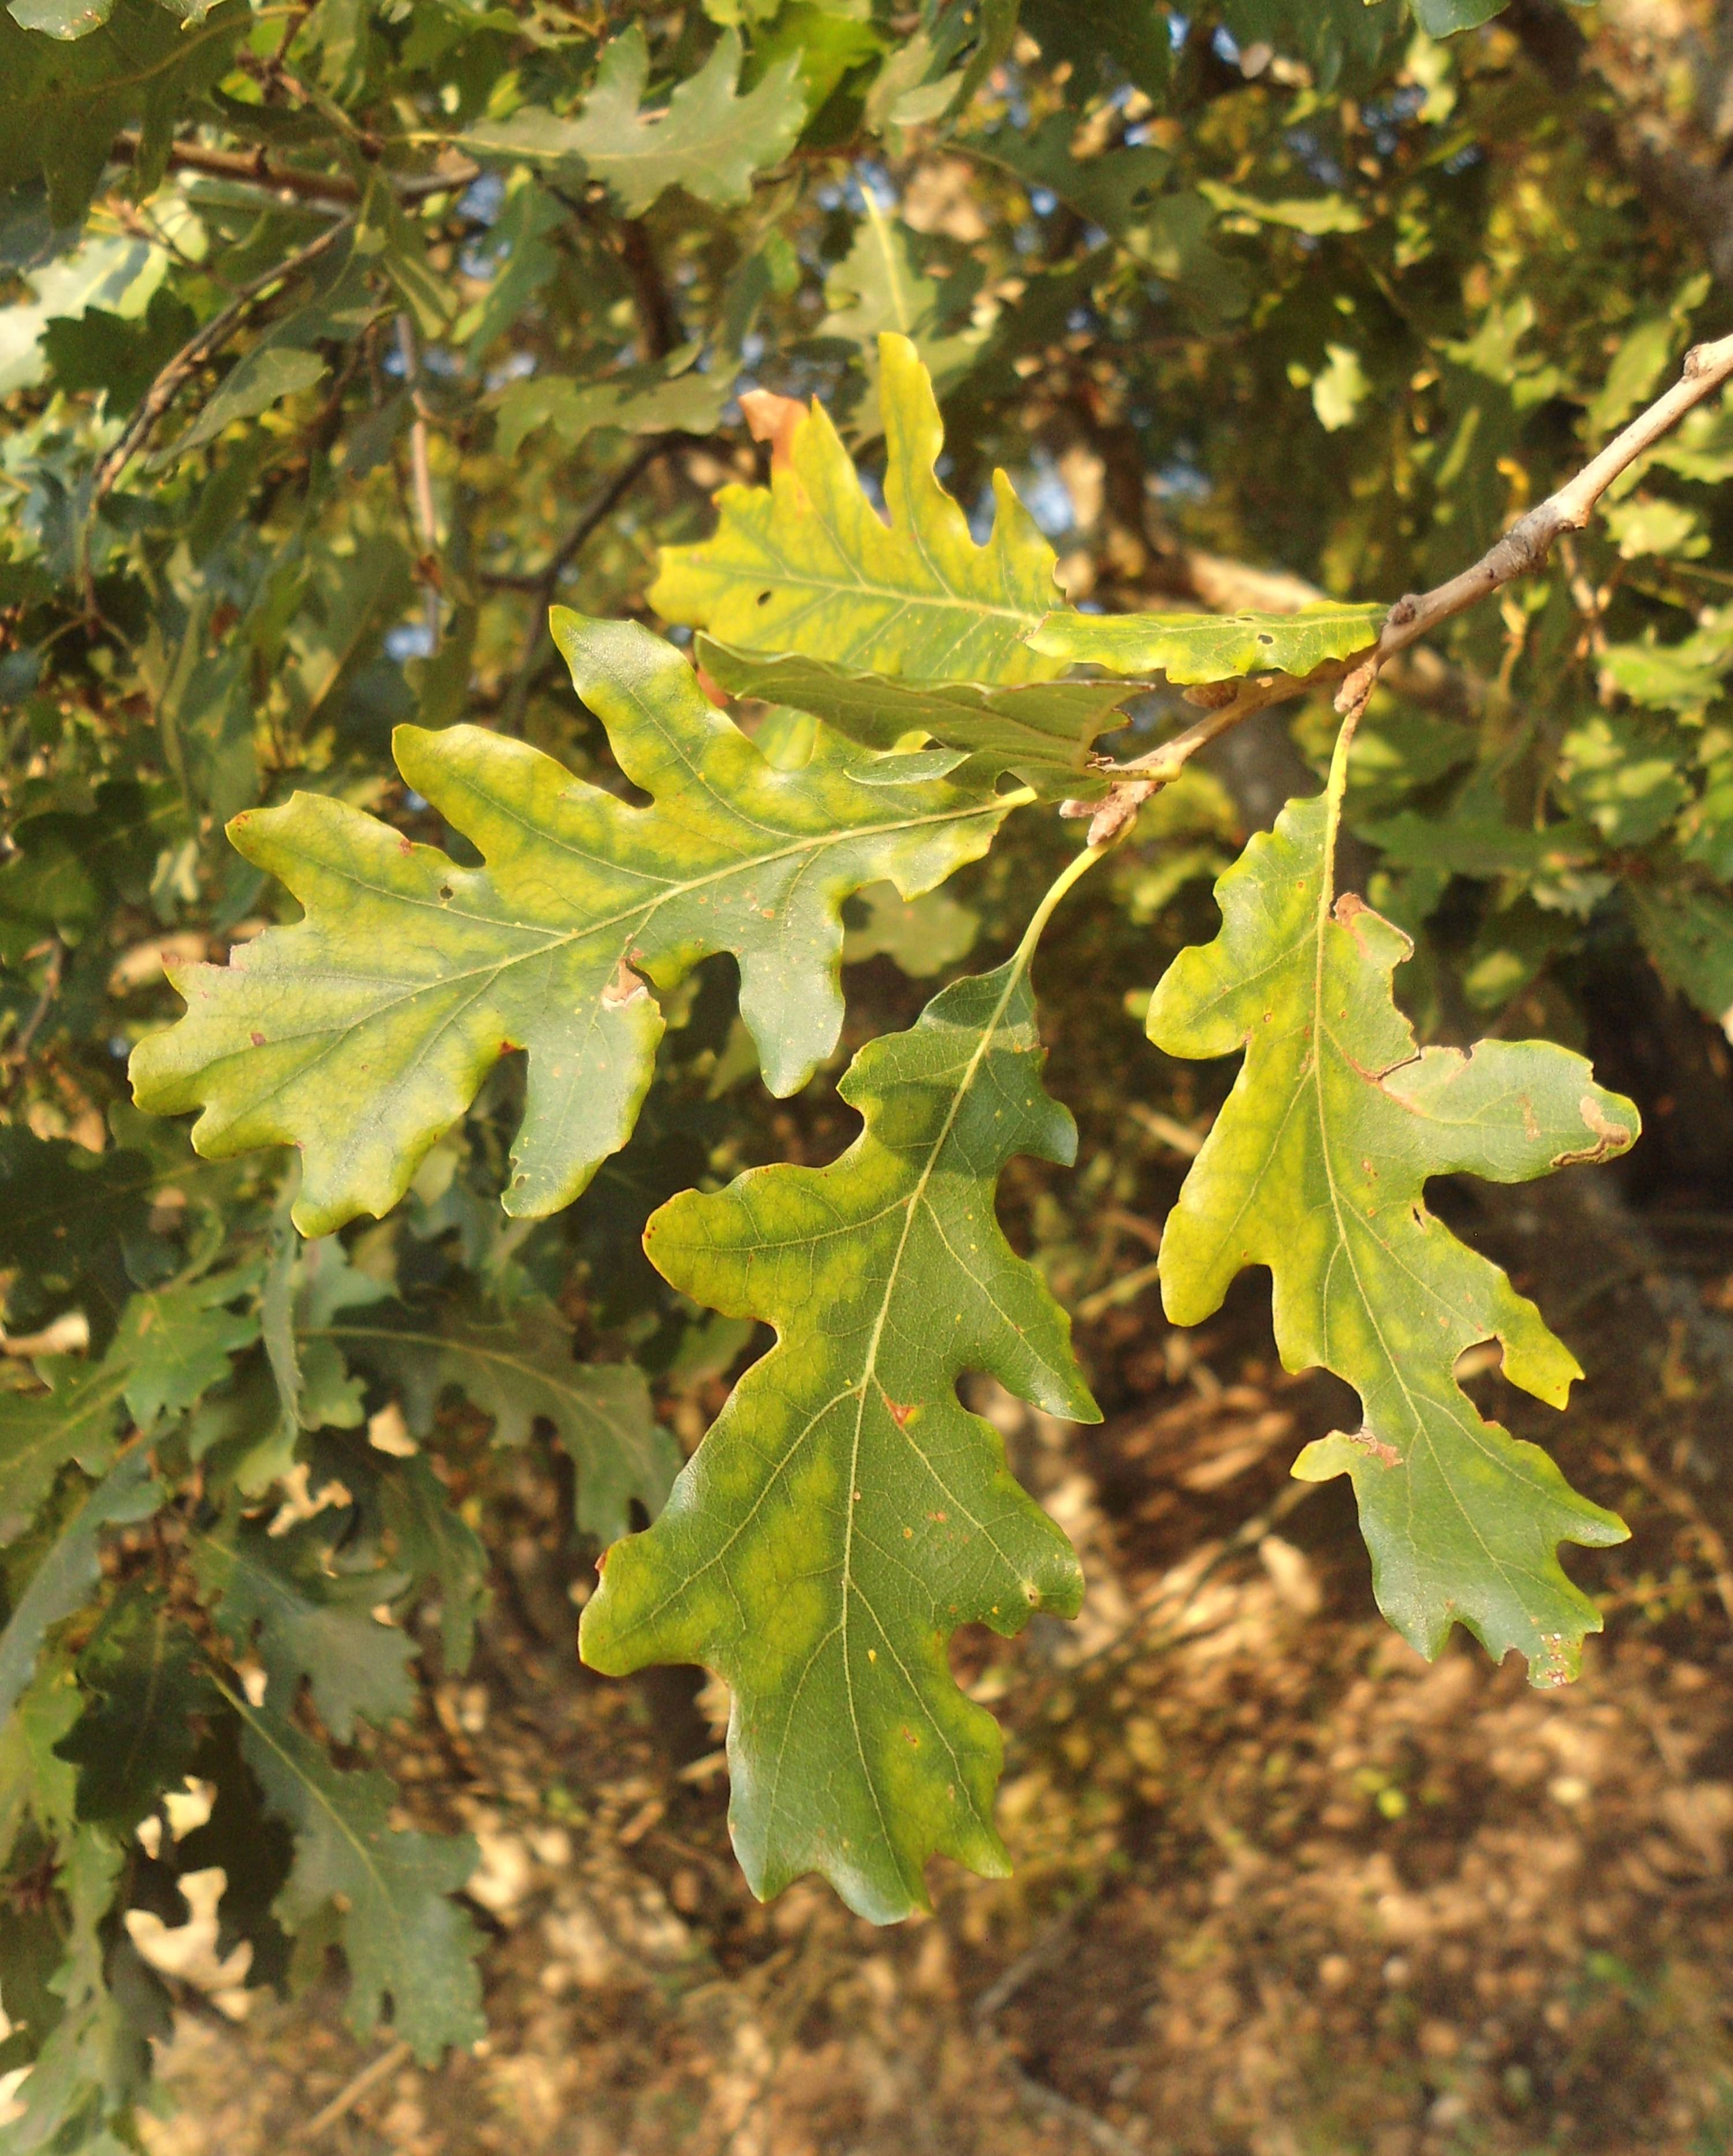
x=341 y=341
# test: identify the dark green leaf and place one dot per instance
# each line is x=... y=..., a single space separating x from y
x=275 y=1595
x=407 y=1944
x=69 y=1567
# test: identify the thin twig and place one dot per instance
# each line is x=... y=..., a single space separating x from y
x=427 y=522
x=346 y=2099
x=545 y=582
x=545 y=579
x=19 y=1050
x=1520 y=552
x=997 y=1996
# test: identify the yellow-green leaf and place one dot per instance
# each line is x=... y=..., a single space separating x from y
x=363 y=1033
x=1317 y=1167
x=1210 y=647
x=808 y=565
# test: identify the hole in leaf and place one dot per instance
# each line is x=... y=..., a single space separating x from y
x=763 y=598
x=444 y=890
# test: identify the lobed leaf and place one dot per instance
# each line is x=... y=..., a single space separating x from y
x=845 y=1514
x=177 y=1341
x=709 y=141
x=277 y=1596
x=68 y=1219
x=69 y=1566
x=143 y=1687
x=362 y=1034
x=95 y=2060
x=1316 y=1167
x=808 y=565
x=40 y=1432
x=520 y=1367
x=405 y=1940
x=63 y=102
x=1209 y=647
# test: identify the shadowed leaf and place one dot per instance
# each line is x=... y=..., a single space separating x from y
x=709 y=141
x=407 y=1943
x=845 y=1514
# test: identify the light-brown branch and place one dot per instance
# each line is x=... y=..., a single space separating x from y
x=1520 y=552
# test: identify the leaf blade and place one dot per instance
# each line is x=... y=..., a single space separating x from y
x=362 y=1034
x=844 y=1452
x=1316 y=1168
x=1190 y=648
x=807 y=565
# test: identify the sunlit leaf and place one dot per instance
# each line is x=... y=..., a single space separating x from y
x=1317 y=1168
x=1209 y=647
x=362 y=1034
x=807 y=565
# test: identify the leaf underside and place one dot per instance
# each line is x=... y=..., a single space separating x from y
x=363 y=1033
x=845 y=1514
x=1040 y=731
x=709 y=140
x=1316 y=1167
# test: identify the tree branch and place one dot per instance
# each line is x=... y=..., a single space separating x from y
x=1520 y=552
x=327 y=190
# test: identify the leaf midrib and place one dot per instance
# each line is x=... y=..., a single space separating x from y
x=261 y=1729
x=452 y=1344
x=557 y=940
x=868 y=1377
x=1419 y=1425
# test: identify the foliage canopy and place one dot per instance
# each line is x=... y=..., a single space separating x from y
x=896 y=425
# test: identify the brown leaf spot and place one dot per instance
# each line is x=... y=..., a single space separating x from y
x=1610 y=1137
x=900 y=1412
x=257 y=1039
x=1386 y=1456
x=1211 y=695
x=624 y=987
